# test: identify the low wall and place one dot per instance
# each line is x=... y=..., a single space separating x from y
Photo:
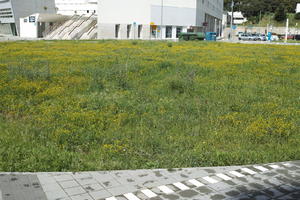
x=263 y=30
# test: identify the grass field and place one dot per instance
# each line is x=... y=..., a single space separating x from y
x=99 y=105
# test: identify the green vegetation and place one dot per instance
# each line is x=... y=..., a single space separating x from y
x=98 y=105
x=269 y=19
x=254 y=9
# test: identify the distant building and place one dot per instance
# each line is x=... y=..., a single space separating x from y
x=150 y=19
x=298 y=8
x=79 y=7
x=12 y=10
x=238 y=18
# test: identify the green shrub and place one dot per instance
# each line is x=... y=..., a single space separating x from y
x=297 y=16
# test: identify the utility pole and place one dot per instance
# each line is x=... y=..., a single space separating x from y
x=286 y=30
x=231 y=22
x=162 y=19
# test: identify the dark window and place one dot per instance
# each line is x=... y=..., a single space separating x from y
x=140 y=28
x=128 y=30
x=117 y=30
x=169 y=32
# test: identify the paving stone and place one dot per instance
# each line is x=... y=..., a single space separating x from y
x=110 y=183
x=296 y=195
x=220 y=186
x=188 y=193
x=119 y=190
x=273 y=192
x=93 y=187
x=243 y=197
x=259 y=195
x=102 y=194
x=204 y=190
x=82 y=197
x=257 y=186
x=232 y=192
x=69 y=184
x=74 y=191
x=245 y=188
x=218 y=197
x=63 y=178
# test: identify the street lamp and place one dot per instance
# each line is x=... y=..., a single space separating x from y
x=162 y=18
x=231 y=22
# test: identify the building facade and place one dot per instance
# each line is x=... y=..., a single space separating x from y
x=76 y=7
x=157 y=19
x=12 y=10
x=298 y=8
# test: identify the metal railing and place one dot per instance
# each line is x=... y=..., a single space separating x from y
x=81 y=23
x=71 y=23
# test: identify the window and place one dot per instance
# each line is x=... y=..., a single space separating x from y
x=87 y=11
x=178 y=31
x=140 y=28
x=128 y=30
x=169 y=32
x=117 y=30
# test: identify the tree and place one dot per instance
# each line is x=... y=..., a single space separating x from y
x=253 y=8
x=280 y=14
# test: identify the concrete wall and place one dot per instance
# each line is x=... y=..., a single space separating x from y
x=124 y=11
x=23 y=8
x=263 y=30
x=176 y=13
x=27 y=28
x=71 y=7
x=182 y=16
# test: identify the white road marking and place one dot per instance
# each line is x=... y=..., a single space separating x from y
x=111 y=198
x=181 y=186
x=237 y=174
x=165 y=189
x=274 y=166
x=131 y=196
x=286 y=164
x=224 y=177
x=261 y=168
x=249 y=171
x=210 y=180
x=196 y=183
x=149 y=193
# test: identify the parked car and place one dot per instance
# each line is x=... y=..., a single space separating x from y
x=244 y=36
x=274 y=38
x=252 y=37
x=261 y=37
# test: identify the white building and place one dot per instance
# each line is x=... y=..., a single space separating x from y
x=150 y=19
x=79 y=7
x=238 y=18
x=298 y=8
x=12 y=10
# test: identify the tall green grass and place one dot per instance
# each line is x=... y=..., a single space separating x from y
x=70 y=106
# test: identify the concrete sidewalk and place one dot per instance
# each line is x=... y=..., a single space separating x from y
x=267 y=181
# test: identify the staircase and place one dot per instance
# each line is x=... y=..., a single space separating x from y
x=91 y=33
x=77 y=27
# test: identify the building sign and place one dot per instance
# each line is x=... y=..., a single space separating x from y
x=32 y=19
x=205 y=24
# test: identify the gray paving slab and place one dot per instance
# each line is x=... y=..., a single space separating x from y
x=267 y=181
